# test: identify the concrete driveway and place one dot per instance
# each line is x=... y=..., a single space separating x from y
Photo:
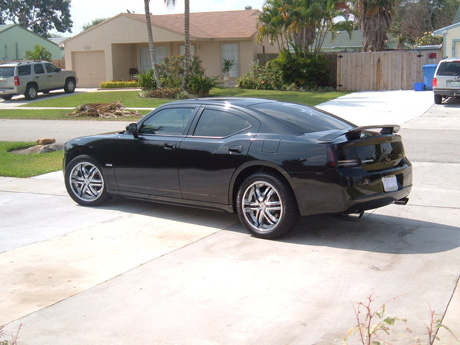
x=140 y=273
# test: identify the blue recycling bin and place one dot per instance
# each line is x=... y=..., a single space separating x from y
x=428 y=74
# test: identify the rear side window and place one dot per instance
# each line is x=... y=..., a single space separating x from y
x=24 y=70
x=6 y=71
x=221 y=124
x=449 y=68
x=38 y=68
x=301 y=118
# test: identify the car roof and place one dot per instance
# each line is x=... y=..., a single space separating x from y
x=16 y=63
x=231 y=101
x=450 y=60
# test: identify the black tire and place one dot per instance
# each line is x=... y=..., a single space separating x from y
x=70 y=85
x=7 y=97
x=85 y=182
x=437 y=99
x=273 y=213
x=31 y=92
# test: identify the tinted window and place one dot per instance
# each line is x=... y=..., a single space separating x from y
x=6 y=71
x=168 y=122
x=51 y=68
x=24 y=70
x=38 y=68
x=449 y=68
x=215 y=123
x=302 y=118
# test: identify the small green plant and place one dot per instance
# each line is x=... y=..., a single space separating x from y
x=373 y=326
x=201 y=85
x=39 y=53
x=227 y=66
x=146 y=80
x=14 y=337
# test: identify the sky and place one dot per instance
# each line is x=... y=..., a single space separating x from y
x=85 y=11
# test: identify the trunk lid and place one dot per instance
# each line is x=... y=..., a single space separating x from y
x=373 y=148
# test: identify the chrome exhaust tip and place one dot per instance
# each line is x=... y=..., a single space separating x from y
x=402 y=201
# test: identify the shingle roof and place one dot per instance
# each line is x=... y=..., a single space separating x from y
x=208 y=25
x=457 y=16
x=5 y=26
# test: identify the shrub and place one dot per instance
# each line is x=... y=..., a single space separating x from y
x=118 y=84
x=266 y=77
x=169 y=93
x=39 y=53
x=310 y=72
x=146 y=80
x=201 y=85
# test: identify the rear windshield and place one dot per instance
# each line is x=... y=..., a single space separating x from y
x=6 y=71
x=302 y=118
x=449 y=68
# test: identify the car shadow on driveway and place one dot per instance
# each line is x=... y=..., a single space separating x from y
x=373 y=233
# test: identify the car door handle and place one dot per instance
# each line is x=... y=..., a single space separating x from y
x=170 y=146
x=235 y=149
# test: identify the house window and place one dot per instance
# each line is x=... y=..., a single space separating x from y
x=182 y=50
x=6 y=53
x=230 y=52
x=161 y=52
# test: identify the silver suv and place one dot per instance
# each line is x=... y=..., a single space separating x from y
x=446 y=80
x=31 y=77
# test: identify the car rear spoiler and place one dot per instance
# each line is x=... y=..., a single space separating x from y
x=355 y=133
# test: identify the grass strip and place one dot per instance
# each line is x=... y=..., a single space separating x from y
x=21 y=165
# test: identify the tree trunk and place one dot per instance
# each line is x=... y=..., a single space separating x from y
x=151 y=44
x=187 y=44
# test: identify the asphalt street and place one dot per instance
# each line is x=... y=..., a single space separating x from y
x=133 y=272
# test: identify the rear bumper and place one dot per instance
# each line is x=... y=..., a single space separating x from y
x=351 y=190
x=447 y=92
x=8 y=92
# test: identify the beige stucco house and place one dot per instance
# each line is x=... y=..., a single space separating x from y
x=115 y=48
x=451 y=37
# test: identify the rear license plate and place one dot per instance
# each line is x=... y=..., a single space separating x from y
x=390 y=184
x=454 y=83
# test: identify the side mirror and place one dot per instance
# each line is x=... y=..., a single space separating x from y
x=132 y=129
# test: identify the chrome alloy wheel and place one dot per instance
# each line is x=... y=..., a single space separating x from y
x=262 y=206
x=86 y=181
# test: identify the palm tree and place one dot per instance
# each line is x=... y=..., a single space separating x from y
x=374 y=20
x=151 y=43
x=187 y=38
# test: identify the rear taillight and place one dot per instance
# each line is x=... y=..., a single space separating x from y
x=344 y=157
x=16 y=81
x=435 y=82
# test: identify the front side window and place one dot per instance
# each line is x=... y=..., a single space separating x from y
x=38 y=68
x=172 y=121
x=51 y=68
x=216 y=123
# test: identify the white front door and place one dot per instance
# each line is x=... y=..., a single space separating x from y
x=230 y=52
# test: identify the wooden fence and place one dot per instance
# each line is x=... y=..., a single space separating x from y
x=388 y=70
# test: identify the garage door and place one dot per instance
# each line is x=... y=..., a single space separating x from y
x=90 y=68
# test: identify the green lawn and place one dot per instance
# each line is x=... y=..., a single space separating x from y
x=15 y=165
x=130 y=100
x=56 y=114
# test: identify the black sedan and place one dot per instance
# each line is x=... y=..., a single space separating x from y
x=268 y=161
